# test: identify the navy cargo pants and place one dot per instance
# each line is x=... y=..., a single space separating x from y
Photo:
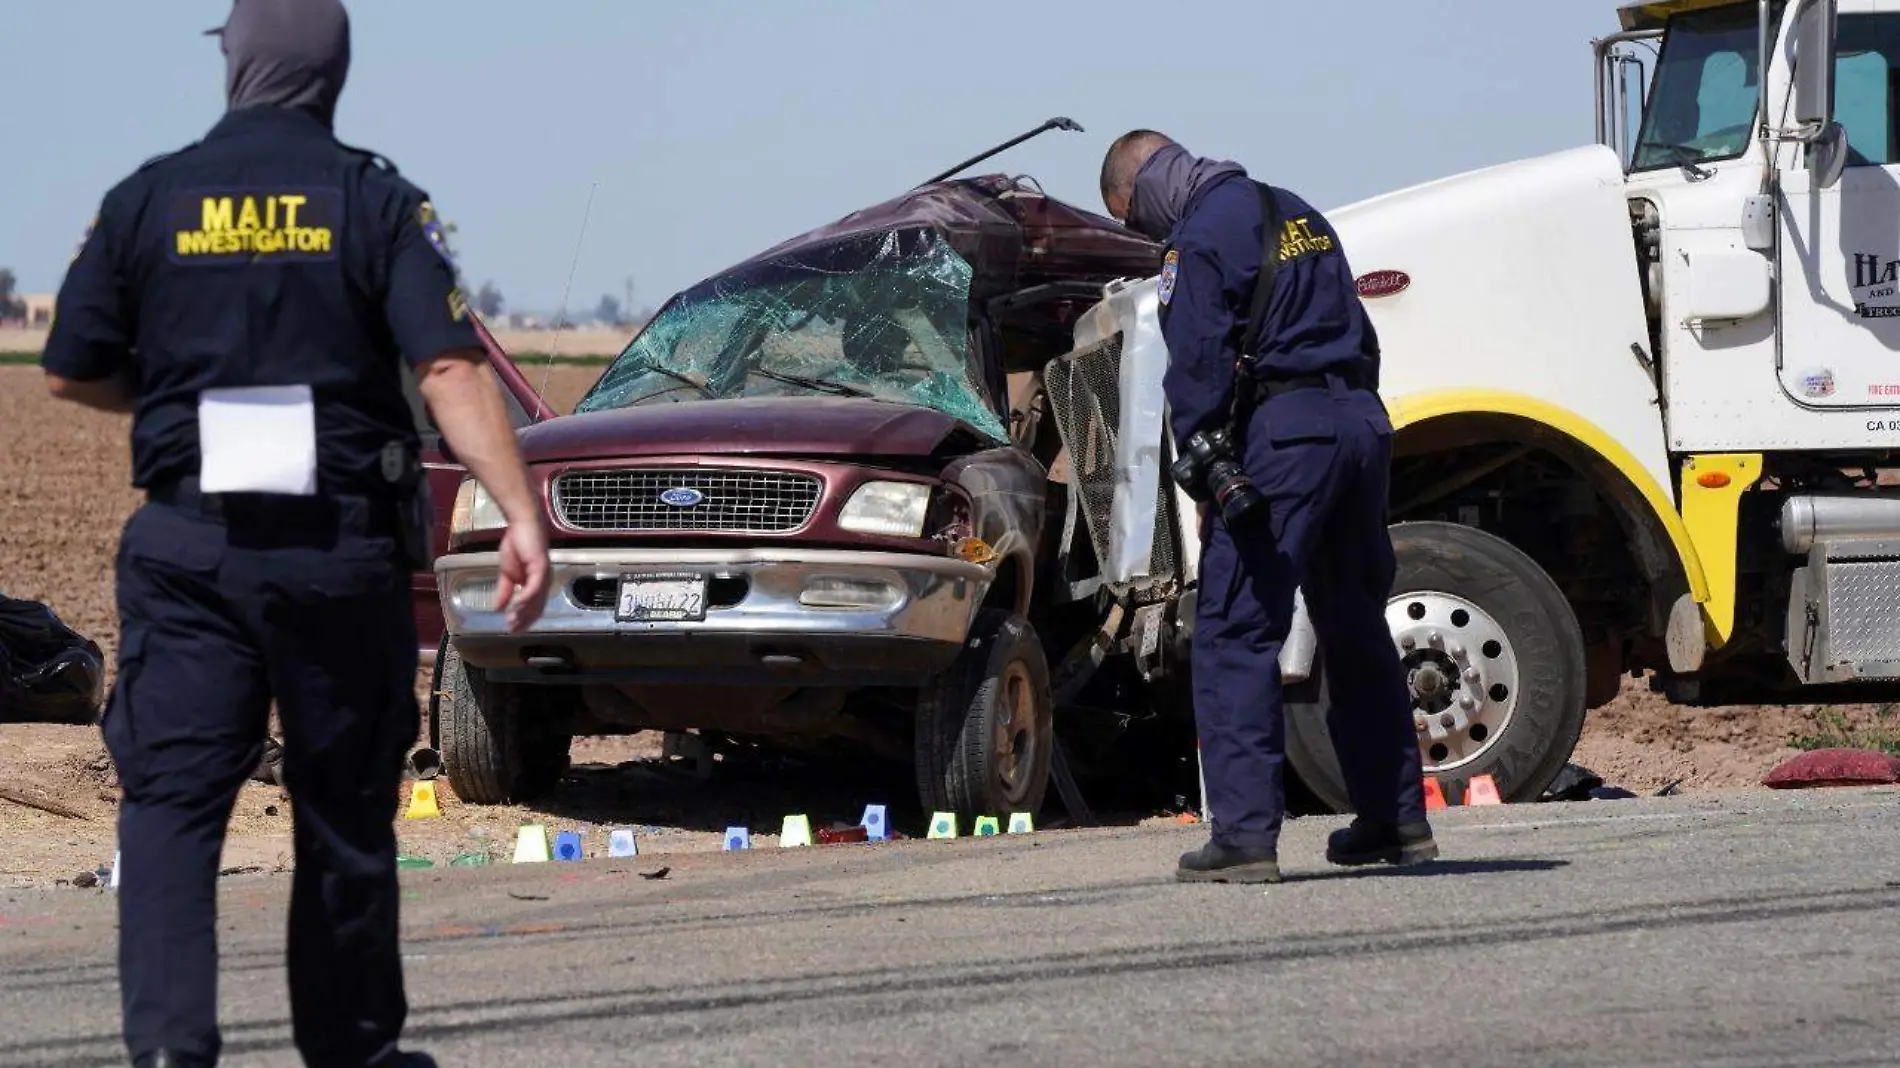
x=223 y=608
x=1321 y=458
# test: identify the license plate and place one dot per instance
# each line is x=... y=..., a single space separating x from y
x=661 y=599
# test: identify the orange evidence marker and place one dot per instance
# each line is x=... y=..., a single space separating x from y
x=1484 y=791
x=1434 y=795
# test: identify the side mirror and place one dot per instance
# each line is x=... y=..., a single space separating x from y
x=1814 y=64
x=1827 y=156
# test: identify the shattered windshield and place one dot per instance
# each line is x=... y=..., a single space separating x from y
x=884 y=316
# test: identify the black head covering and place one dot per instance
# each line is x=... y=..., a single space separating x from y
x=1166 y=183
x=286 y=54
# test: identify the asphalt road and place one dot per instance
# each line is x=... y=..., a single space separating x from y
x=1751 y=930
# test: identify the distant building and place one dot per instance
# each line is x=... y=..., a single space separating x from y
x=39 y=309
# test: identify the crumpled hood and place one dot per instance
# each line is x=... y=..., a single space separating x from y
x=810 y=427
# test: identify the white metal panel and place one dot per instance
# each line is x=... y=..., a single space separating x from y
x=1743 y=386
x=1726 y=286
x=1143 y=408
x=1524 y=280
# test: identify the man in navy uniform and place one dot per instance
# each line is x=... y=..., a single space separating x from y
x=251 y=301
x=1290 y=371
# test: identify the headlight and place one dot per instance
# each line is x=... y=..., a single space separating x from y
x=893 y=508
x=475 y=511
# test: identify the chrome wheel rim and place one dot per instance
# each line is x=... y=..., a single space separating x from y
x=1461 y=673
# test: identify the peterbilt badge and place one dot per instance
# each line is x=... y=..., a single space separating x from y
x=1383 y=283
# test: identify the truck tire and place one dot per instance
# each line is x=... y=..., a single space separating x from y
x=986 y=726
x=1491 y=608
x=500 y=743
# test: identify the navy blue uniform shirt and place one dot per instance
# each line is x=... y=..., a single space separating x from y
x=267 y=254
x=1315 y=321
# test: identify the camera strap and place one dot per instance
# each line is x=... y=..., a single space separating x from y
x=1271 y=225
x=1246 y=391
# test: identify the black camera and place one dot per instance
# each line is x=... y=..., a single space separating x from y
x=1208 y=470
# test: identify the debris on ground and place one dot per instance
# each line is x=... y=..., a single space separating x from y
x=1573 y=783
x=49 y=672
x=45 y=804
x=1823 y=768
x=1578 y=783
x=270 y=767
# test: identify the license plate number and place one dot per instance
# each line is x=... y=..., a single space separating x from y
x=662 y=599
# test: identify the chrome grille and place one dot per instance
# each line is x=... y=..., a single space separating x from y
x=740 y=501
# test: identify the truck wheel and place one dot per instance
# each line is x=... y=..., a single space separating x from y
x=1494 y=660
x=501 y=744
x=986 y=726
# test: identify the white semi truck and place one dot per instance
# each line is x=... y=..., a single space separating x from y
x=1646 y=392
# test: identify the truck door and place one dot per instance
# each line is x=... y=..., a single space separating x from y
x=1840 y=247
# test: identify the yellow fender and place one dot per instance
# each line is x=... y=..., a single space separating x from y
x=1703 y=533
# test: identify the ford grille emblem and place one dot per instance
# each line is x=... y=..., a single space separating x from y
x=682 y=497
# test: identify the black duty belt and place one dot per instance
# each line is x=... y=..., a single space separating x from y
x=1270 y=385
x=184 y=494
x=317 y=512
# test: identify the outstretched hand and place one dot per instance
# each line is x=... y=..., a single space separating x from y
x=523 y=583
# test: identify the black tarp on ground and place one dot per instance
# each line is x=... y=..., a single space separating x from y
x=49 y=673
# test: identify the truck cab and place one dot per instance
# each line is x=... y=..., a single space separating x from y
x=1647 y=395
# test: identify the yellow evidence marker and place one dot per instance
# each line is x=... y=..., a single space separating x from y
x=943 y=825
x=796 y=832
x=422 y=802
x=531 y=845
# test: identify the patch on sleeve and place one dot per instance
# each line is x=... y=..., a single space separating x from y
x=1170 y=266
x=458 y=304
x=435 y=230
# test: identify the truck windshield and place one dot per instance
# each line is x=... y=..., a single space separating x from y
x=884 y=316
x=1702 y=104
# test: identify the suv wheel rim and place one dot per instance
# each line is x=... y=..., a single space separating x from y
x=1015 y=741
x=1461 y=673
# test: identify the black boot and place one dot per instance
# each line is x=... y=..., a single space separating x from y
x=1215 y=863
x=1366 y=842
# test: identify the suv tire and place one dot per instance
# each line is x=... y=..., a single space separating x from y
x=986 y=726
x=501 y=743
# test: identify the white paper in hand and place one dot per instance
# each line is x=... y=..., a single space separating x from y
x=258 y=439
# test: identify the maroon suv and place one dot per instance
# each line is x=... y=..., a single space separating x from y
x=808 y=506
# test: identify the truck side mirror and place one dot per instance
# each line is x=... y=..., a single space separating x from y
x=1827 y=156
x=1814 y=64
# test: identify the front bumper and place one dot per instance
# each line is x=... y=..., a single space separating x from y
x=757 y=631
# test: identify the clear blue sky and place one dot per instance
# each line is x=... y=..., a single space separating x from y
x=717 y=128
